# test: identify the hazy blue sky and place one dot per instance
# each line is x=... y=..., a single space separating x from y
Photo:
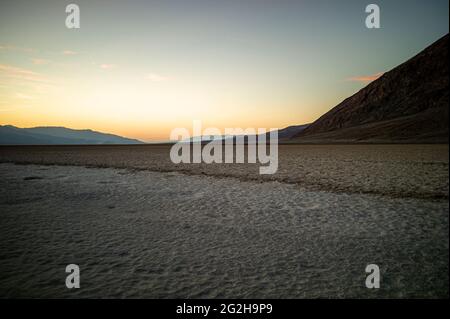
x=140 y=68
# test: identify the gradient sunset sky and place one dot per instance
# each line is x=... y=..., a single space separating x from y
x=141 y=68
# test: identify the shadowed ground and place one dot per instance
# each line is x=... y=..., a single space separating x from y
x=140 y=232
x=419 y=171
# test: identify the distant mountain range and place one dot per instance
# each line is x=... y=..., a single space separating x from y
x=407 y=104
x=11 y=135
x=291 y=131
x=283 y=134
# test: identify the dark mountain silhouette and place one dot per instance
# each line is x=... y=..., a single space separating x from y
x=406 y=104
x=11 y=135
x=291 y=131
x=283 y=134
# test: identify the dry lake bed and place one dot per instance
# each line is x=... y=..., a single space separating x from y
x=139 y=226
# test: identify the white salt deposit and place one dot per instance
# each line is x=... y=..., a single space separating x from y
x=169 y=235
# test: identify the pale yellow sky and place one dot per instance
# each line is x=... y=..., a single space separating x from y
x=116 y=100
x=140 y=69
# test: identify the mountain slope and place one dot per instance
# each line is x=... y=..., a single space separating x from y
x=11 y=135
x=406 y=104
x=291 y=131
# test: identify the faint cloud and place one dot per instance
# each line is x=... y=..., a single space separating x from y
x=40 y=61
x=13 y=72
x=69 y=52
x=106 y=66
x=156 y=77
x=7 y=47
x=366 y=78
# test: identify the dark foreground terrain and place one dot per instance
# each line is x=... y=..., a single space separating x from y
x=417 y=171
x=139 y=226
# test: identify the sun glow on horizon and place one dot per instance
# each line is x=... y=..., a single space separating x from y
x=132 y=103
x=229 y=64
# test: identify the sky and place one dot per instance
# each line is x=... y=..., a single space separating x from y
x=142 y=68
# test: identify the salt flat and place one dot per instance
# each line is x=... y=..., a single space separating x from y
x=397 y=170
x=142 y=233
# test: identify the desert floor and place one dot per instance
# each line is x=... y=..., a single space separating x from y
x=139 y=226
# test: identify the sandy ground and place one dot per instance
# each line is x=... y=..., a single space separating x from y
x=416 y=171
x=141 y=233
